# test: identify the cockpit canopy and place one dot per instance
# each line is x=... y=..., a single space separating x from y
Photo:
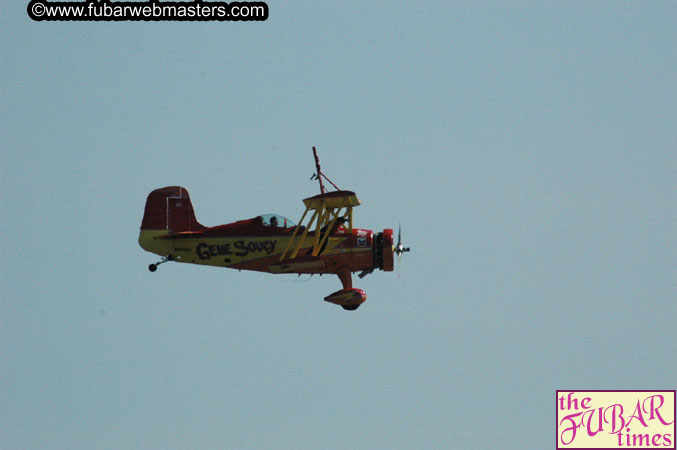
x=277 y=221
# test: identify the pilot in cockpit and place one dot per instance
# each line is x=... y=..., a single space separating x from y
x=273 y=222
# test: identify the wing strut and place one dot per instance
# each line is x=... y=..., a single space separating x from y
x=330 y=210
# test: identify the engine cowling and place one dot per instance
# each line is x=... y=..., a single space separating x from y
x=383 y=250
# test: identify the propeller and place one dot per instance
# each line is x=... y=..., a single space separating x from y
x=399 y=249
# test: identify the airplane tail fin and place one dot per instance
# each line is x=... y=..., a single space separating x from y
x=170 y=209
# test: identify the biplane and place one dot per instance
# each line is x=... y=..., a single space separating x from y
x=323 y=242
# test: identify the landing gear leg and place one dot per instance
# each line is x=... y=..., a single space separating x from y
x=153 y=267
x=348 y=298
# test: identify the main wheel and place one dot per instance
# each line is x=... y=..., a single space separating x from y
x=152 y=267
x=350 y=307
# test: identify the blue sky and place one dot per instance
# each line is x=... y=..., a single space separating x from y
x=527 y=148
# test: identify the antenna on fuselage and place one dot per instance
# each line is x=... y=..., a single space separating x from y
x=319 y=174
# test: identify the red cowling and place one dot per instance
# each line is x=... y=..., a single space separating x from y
x=388 y=260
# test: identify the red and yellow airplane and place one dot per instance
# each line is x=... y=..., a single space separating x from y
x=327 y=243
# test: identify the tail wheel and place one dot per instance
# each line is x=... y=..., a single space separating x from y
x=153 y=267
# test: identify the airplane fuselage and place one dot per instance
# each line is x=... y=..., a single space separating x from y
x=263 y=253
